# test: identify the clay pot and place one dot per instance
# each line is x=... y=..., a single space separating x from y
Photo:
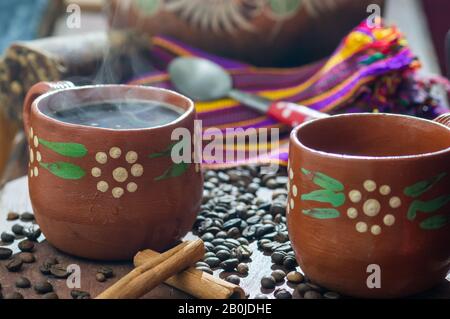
x=263 y=32
x=102 y=193
x=369 y=200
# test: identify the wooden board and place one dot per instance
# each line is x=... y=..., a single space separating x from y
x=15 y=198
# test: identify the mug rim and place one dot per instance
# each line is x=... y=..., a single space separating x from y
x=296 y=141
x=186 y=112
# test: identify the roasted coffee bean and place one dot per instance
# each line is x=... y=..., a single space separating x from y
x=213 y=229
x=205 y=269
x=27 y=217
x=231 y=243
x=278 y=275
x=209 y=246
x=315 y=287
x=261 y=296
x=207 y=237
x=302 y=288
x=59 y=271
x=218 y=241
x=243 y=252
x=43 y=287
x=26 y=246
x=234 y=232
x=13 y=296
x=221 y=235
x=32 y=233
x=295 y=277
x=268 y=246
x=5 y=253
x=242 y=269
x=236 y=222
x=264 y=230
x=289 y=263
x=209 y=254
x=7 y=238
x=223 y=254
x=27 y=258
x=50 y=296
x=278 y=257
x=282 y=294
x=23 y=283
x=18 y=230
x=45 y=269
x=233 y=279
x=271 y=184
x=249 y=232
x=201 y=264
x=14 y=265
x=278 y=208
x=107 y=271
x=268 y=282
x=12 y=216
x=243 y=241
x=282 y=237
x=271 y=236
x=253 y=220
x=79 y=294
x=286 y=247
x=331 y=295
x=100 y=277
x=212 y=262
x=221 y=247
x=223 y=177
x=229 y=265
x=311 y=294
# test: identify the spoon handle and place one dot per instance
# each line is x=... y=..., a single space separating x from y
x=293 y=114
x=286 y=112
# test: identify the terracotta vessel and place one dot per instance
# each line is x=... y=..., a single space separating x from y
x=102 y=193
x=249 y=30
x=369 y=202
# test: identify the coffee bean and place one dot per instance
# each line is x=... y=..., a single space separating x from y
x=13 y=296
x=50 y=296
x=264 y=230
x=107 y=271
x=12 y=216
x=243 y=241
x=233 y=279
x=231 y=243
x=278 y=208
x=205 y=269
x=234 y=232
x=221 y=235
x=18 y=230
x=26 y=246
x=232 y=223
x=268 y=282
x=278 y=275
x=243 y=253
x=209 y=246
x=218 y=241
x=14 y=265
x=43 y=287
x=212 y=262
x=289 y=263
x=282 y=294
x=47 y=264
x=100 y=277
x=27 y=217
x=207 y=237
x=278 y=257
x=315 y=287
x=32 y=233
x=229 y=265
x=223 y=177
x=286 y=247
x=311 y=294
x=295 y=277
x=242 y=269
x=261 y=296
x=201 y=264
x=27 y=258
x=223 y=255
x=249 y=232
x=5 y=253
x=23 y=283
x=79 y=294
x=270 y=236
x=209 y=254
x=7 y=238
x=59 y=271
x=302 y=288
x=332 y=295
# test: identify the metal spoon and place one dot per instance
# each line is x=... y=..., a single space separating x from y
x=203 y=80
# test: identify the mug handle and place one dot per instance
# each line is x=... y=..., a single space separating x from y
x=36 y=91
x=444 y=119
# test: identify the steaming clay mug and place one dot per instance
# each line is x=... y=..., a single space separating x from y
x=369 y=203
x=104 y=193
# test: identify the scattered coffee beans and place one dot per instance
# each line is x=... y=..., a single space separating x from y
x=242 y=269
x=12 y=216
x=79 y=294
x=43 y=287
x=278 y=275
x=27 y=217
x=282 y=294
x=7 y=238
x=106 y=271
x=233 y=279
x=50 y=295
x=27 y=258
x=14 y=265
x=268 y=282
x=13 y=296
x=100 y=277
x=23 y=283
x=5 y=253
x=311 y=294
x=18 y=230
x=59 y=271
x=261 y=296
x=332 y=295
x=26 y=246
x=295 y=277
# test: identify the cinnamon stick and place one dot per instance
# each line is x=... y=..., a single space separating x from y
x=195 y=282
x=146 y=277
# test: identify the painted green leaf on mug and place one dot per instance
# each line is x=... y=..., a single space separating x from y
x=322 y=213
x=176 y=170
x=422 y=187
x=435 y=222
x=325 y=196
x=427 y=207
x=64 y=170
x=65 y=149
x=165 y=153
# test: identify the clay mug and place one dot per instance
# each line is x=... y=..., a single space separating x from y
x=369 y=203
x=104 y=193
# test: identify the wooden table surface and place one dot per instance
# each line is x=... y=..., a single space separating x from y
x=15 y=198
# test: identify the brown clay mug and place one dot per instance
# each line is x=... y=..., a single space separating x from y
x=104 y=193
x=369 y=203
